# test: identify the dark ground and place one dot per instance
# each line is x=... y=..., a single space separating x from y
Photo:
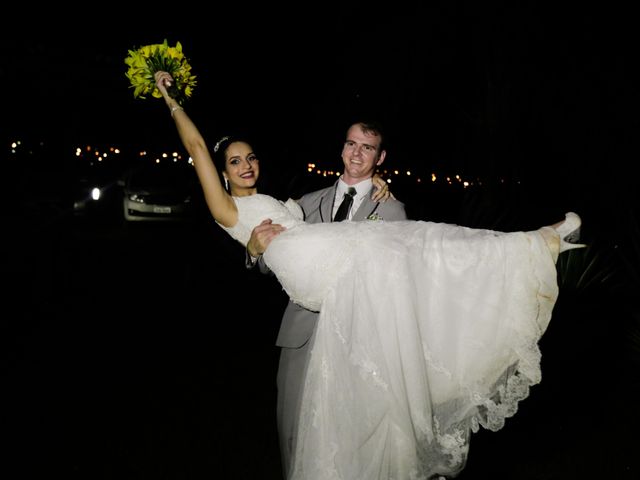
x=147 y=352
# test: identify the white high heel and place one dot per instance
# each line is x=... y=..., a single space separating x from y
x=569 y=232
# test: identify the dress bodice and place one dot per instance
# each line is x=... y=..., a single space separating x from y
x=253 y=209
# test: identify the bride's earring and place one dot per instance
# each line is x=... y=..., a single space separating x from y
x=226 y=183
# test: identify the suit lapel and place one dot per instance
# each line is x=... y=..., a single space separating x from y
x=366 y=208
x=326 y=203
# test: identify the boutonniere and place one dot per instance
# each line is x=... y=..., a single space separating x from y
x=375 y=217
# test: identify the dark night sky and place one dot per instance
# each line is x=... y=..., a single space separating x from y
x=472 y=85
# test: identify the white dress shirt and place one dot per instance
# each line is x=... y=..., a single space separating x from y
x=362 y=189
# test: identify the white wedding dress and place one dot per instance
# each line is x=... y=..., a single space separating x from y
x=426 y=332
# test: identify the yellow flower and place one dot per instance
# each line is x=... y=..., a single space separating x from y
x=145 y=61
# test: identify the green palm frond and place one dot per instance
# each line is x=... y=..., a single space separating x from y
x=590 y=269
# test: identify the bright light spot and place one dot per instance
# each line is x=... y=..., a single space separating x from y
x=95 y=193
x=408 y=173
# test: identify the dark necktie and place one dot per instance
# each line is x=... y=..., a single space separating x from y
x=345 y=206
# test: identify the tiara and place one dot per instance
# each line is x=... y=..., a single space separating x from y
x=217 y=145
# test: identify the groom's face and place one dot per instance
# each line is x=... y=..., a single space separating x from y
x=361 y=154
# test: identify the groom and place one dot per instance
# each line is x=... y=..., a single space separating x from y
x=362 y=153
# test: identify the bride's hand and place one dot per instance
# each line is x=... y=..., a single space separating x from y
x=381 y=192
x=163 y=81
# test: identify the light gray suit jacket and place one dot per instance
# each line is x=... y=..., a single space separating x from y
x=299 y=323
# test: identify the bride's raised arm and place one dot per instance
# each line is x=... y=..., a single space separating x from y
x=220 y=203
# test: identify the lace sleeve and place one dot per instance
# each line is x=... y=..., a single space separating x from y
x=295 y=209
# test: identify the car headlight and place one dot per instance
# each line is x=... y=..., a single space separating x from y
x=134 y=197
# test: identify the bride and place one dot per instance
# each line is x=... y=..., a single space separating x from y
x=427 y=331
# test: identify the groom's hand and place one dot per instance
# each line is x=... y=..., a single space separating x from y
x=261 y=237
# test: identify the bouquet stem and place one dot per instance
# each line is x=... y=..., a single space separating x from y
x=173 y=91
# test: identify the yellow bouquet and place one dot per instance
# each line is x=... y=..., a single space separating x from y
x=145 y=61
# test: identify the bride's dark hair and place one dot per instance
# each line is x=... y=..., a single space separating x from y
x=219 y=150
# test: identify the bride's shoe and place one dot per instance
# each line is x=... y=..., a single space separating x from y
x=569 y=232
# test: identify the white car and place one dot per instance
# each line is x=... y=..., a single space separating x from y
x=160 y=192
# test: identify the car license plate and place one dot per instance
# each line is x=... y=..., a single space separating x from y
x=161 y=209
